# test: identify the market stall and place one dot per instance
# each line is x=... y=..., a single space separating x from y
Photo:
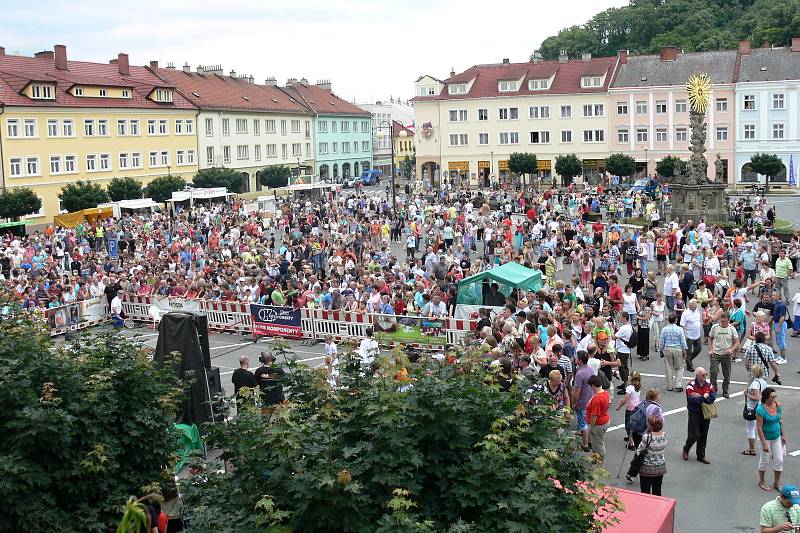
x=476 y=291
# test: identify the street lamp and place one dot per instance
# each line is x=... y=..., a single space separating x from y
x=381 y=135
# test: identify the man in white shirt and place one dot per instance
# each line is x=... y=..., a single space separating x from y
x=621 y=338
x=670 y=288
x=796 y=314
x=692 y=324
x=368 y=349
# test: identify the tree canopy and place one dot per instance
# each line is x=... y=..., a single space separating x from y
x=666 y=166
x=161 y=188
x=522 y=163
x=233 y=180
x=644 y=26
x=124 y=189
x=621 y=165
x=82 y=195
x=18 y=202
x=274 y=176
x=568 y=166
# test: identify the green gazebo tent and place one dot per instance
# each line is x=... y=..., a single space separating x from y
x=509 y=276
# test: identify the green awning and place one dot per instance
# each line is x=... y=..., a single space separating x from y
x=508 y=276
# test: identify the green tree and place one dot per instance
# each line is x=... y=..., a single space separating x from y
x=407 y=166
x=522 y=163
x=568 y=166
x=621 y=165
x=450 y=452
x=18 y=202
x=124 y=189
x=770 y=165
x=85 y=424
x=162 y=187
x=274 y=176
x=666 y=166
x=232 y=180
x=82 y=195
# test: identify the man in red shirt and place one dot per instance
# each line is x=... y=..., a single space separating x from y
x=615 y=294
x=597 y=229
x=597 y=417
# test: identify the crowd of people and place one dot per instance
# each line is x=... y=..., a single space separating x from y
x=610 y=291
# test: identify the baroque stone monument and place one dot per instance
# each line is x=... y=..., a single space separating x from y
x=694 y=195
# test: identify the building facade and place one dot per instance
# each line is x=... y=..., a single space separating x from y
x=767 y=108
x=64 y=121
x=403 y=138
x=243 y=125
x=649 y=108
x=469 y=124
x=384 y=114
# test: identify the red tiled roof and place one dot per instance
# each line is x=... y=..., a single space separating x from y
x=18 y=71
x=567 y=78
x=322 y=101
x=213 y=91
x=398 y=127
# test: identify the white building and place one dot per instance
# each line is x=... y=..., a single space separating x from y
x=383 y=113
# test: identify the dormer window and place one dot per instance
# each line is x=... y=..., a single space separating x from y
x=163 y=95
x=538 y=85
x=457 y=88
x=126 y=93
x=103 y=92
x=591 y=81
x=78 y=91
x=42 y=91
x=507 y=86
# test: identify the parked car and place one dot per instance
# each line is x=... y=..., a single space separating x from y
x=351 y=181
x=371 y=177
x=647 y=185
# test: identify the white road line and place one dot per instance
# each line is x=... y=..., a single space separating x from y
x=773 y=385
x=794 y=453
x=681 y=409
x=230 y=345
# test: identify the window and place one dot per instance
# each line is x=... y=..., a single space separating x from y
x=641 y=107
x=153 y=159
x=68 y=127
x=210 y=155
x=623 y=135
x=661 y=135
x=458 y=115
x=778 y=101
x=55 y=164
x=365 y=146
x=508 y=113
x=722 y=134
x=70 y=164
x=540 y=137
x=88 y=128
x=777 y=131
x=103 y=92
x=594 y=136
x=257 y=152
x=180 y=157
x=345 y=126
x=507 y=86
x=163 y=126
x=91 y=163
x=164 y=158
x=126 y=93
x=538 y=85
x=749 y=102
x=680 y=134
x=539 y=111
x=322 y=126
x=151 y=127
x=308 y=147
x=323 y=148
x=209 y=127
x=622 y=108
x=102 y=127
x=123 y=160
x=29 y=127
x=190 y=157
x=32 y=166
x=15 y=166
x=178 y=127
x=458 y=139
x=661 y=107
x=52 y=127
x=226 y=127
x=12 y=126
x=592 y=81
x=509 y=137
x=483 y=138
x=298 y=147
x=722 y=104
x=283 y=127
x=457 y=88
x=680 y=106
x=256 y=127
x=566 y=136
x=593 y=110
x=163 y=95
x=136 y=160
x=365 y=127
x=750 y=132
x=355 y=147
x=242 y=152
x=241 y=126
x=122 y=127
x=345 y=148
x=105 y=161
x=285 y=150
x=641 y=135
x=78 y=91
x=566 y=111
x=42 y=91
x=133 y=127
x=483 y=114
x=226 y=155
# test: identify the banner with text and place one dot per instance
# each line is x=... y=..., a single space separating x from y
x=276 y=321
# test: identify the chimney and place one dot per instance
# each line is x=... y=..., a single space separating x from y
x=668 y=53
x=304 y=81
x=623 y=56
x=186 y=68
x=123 y=64
x=563 y=57
x=291 y=81
x=506 y=61
x=171 y=65
x=232 y=74
x=744 y=47
x=251 y=79
x=200 y=69
x=795 y=44
x=154 y=64
x=61 y=57
x=2 y=51
x=44 y=54
x=586 y=56
x=324 y=84
x=271 y=82
x=536 y=57
x=452 y=72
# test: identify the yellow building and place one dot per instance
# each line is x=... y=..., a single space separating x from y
x=63 y=121
x=403 y=143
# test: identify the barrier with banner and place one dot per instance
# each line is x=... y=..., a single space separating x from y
x=76 y=316
x=276 y=321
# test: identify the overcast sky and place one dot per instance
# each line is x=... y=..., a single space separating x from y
x=368 y=49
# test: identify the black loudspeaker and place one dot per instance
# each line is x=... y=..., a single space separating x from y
x=214 y=381
x=201 y=324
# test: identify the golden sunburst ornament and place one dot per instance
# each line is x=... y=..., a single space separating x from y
x=699 y=88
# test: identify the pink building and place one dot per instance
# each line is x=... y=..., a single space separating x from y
x=649 y=109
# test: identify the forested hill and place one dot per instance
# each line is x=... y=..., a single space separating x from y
x=644 y=26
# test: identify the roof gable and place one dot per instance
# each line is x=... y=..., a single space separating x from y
x=769 y=64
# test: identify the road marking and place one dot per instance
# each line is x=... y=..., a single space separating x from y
x=773 y=385
x=230 y=345
x=680 y=409
x=795 y=453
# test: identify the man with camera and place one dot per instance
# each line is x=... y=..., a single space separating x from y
x=270 y=380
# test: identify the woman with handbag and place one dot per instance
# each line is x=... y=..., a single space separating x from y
x=752 y=399
x=650 y=458
x=770 y=433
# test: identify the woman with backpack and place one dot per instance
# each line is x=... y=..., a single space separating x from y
x=638 y=418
